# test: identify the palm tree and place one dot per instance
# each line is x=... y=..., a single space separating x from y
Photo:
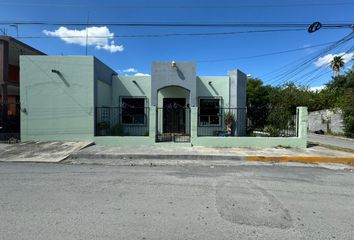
x=336 y=64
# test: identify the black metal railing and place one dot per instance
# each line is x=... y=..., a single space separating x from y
x=173 y=124
x=10 y=122
x=224 y=122
x=122 y=121
x=276 y=122
x=221 y=122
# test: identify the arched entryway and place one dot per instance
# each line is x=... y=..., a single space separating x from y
x=173 y=114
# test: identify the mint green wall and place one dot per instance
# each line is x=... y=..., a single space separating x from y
x=103 y=94
x=124 y=86
x=57 y=107
x=219 y=87
x=172 y=92
x=103 y=76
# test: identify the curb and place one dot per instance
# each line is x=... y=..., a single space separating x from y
x=303 y=159
x=206 y=158
x=156 y=157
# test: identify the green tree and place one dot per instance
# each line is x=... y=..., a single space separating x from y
x=341 y=89
x=257 y=101
x=337 y=64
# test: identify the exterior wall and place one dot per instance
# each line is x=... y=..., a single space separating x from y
x=103 y=76
x=212 y=87
x=232 y=91
x=129 y=86
x=326 y=120
x=172 y=92
x=124 y=86
x=164 y=75
x=104 y=94
x=57 y=106
x=218 y=87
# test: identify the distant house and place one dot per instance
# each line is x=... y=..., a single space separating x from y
x=80 y=98
x=10 y=51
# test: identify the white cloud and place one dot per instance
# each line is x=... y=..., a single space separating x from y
x=317 y=89
x=97 y=36
x=141 y=74
x=326 y=60
x=130 y=70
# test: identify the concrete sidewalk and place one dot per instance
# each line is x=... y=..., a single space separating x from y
x=123 y=155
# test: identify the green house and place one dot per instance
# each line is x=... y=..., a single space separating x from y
x=82 y=99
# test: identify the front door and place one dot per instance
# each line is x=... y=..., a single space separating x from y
x=174 y=115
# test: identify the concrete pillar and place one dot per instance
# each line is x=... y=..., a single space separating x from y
x=237 y=95
x=194 y=123
x=302 y=125
x=152 y=123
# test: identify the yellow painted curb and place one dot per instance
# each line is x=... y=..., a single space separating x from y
x=303 y=159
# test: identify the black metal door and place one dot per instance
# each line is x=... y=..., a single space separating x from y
x=174 y=116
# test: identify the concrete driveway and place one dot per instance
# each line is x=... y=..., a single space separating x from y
x=59 y=201
x=53 y=151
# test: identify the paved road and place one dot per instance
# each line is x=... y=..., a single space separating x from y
x=59 y=201
x=331 y=141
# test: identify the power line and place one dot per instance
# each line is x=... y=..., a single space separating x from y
x=265 y=54
x=167 y=34
x=300 y=68
x=280 y=5
x=185 y=24
x=291 y=70
x=307 y=81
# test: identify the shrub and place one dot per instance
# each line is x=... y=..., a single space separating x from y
x=117 y=130
x=349 y=126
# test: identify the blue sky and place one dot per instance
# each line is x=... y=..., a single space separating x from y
x=138 y=53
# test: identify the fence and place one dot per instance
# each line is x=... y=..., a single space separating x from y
x=221 y=122
x=276 y=122
x=122 y=121
x=173 y=124
x=224 y=122
x=10 y=122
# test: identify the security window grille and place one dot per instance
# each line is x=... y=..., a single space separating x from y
x=133 y=111
x=209 y=112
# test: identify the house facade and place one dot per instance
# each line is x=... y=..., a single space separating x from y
x=82 y=99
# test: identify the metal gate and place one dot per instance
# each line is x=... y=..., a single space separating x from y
x=173 y=124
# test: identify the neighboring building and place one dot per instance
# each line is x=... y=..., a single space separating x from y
x=10 y=51
x=80 y=98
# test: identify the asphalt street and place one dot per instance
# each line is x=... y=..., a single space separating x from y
x=63 y=201
x=339 y=142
